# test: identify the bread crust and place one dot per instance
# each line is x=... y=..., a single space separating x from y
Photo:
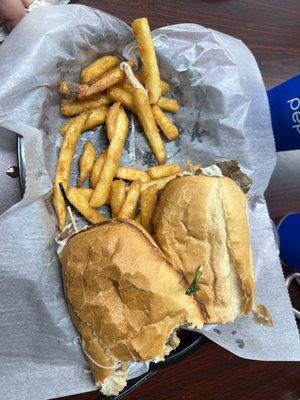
x=124 y=297
x=203 y=220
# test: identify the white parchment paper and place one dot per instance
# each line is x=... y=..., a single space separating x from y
x=224 y=115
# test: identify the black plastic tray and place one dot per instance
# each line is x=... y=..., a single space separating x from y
x=11 y=192
x=21 y=163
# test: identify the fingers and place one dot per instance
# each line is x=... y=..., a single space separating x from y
x=12 y=11
x=26 y=3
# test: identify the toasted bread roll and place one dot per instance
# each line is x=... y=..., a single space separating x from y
x=201 y=220
x=125 y=299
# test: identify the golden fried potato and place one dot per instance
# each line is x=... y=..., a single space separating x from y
x=86 y=162
x=148 y=204
x=123 y=96
x=159 y=183
x=96 y=117
x=88 y=193
x=111 y=119
x=131 y=200
x=81 y=204
x=161 y=171
x=132 y=174
x=145 y=45
x=117 y=196
x=166 y=125
x=165 y=87
x=71 y=108
x=98 y=166
x=97 y=68
x=167 y=104
x=63 y=167
x=146 y=118
x=83 y=90
x=111 y=164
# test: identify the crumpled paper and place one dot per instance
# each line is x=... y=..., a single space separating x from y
x=33 y=5
x=224 y=115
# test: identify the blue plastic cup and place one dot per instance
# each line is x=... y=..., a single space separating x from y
x=284 y=101
x=289 y=241
x=289 y=246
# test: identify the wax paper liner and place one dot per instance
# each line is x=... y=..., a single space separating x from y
x=224 y=115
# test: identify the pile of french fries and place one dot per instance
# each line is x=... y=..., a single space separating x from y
x=108 y=87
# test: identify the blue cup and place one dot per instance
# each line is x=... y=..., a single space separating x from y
x=284 y=101
x=289 y=241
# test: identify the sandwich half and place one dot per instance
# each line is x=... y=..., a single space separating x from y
x=125 y=299
x=203 y=221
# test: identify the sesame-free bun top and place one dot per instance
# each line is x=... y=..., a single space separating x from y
x=125 y=299
x=201 y=220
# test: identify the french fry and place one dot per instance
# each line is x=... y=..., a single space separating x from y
x=132 y=174
x=126 y=173
x=96 y=69
x=130 y=203
x=144 y=42
x=83 y=90
x=86 y=162
x=118 y=194
x=111 y=164
x=109 y=79
x=123 y=96
x=165 y=87
x=88 y=193
x=71 y=89
x=98 y=166
x=146 y=118
x=70 y=108
x=161 y=171
x=159 y=183
x=148 y=204
x=130 y=89
x=111 y=119
x=63 y=167
x=96 y=117
x=82 y=205
x=166 y=125
x=167 y=104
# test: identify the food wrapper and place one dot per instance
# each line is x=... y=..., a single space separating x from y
x=224 y=115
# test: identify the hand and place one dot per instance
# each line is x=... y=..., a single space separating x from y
x=12 y=11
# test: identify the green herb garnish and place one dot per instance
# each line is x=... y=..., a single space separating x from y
x=194 y=286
